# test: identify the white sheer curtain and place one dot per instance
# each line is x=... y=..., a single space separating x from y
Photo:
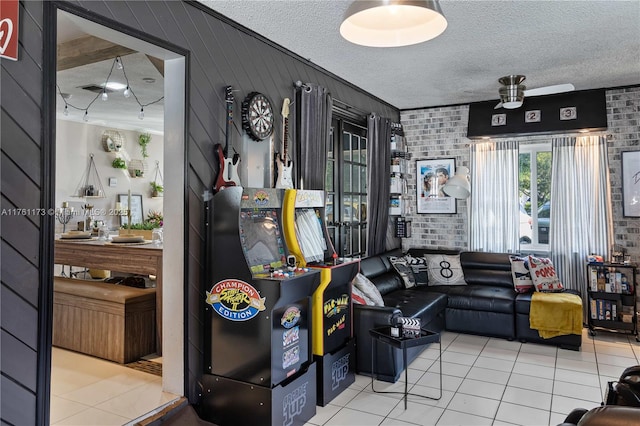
x=494 y=223
x=581 y=217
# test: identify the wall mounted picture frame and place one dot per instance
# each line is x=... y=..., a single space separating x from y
x=631 y=183
x=137 y=212
x=431 y=176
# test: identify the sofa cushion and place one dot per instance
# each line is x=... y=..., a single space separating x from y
x=369 y=290
x=544 y=274
x=417 y=304
x=522 y=282
x=444 y=269
x=478 y=297
x=523 y=301
x=404 y=270
x=492 y=269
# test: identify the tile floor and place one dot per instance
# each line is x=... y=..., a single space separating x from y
x=486 y=381
x=489 y=381
x=89 y=391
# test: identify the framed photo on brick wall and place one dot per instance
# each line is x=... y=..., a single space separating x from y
x=431 y=176
x=631 y=183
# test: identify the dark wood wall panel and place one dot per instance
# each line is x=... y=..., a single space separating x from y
x=220 y=54
x=19 y=274
x=18 y=404
x=21 y=178
x=21 y=371
x=16 y=315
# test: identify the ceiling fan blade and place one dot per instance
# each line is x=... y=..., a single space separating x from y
x=498 y=106
x=549 y=90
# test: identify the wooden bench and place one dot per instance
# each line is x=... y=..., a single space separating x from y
x=109 y=321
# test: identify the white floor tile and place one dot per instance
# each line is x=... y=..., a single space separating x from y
x=62 y=408
x=494 y=364
x=487 y=375
x=479 y=388
x=616 y=351
x=577 y=377
x=611 y=370
x=557 y=418
x=573 y=390
x=528 y=398
x=572 y=364
x=432 y=380
x=474 y=340
x=323 y=414
x=94 y=417
x=537 y=359
x=432 y=393
x=431 y=353
x=346 y=396
x=106 y=389
x=577 y=355
x=464 y=347
x=350 y=417
x=533 y=370
x=139 y=401
x=421 y=364
x=395 y=422
x=455 y=418
x=416 y=414
x=450 y=369
x=564 y=405
x=504 y=354
x=474 y=405
x=458 y=358
x=537 y=384
x=520 y=415
x=620 y=361
x=373 y=403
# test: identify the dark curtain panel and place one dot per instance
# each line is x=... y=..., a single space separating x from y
x=311 y=132
x=379 y=167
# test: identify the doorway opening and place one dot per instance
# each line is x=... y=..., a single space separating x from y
x=83 y=134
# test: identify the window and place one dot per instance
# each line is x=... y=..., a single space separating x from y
x=534 y=185
x=346 y=186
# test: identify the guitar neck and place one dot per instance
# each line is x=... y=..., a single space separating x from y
x=285 y=138
x=229 y=102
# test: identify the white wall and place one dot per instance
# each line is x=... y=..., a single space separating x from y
x=74 y=144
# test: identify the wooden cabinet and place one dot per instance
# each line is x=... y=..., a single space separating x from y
x=612 y=293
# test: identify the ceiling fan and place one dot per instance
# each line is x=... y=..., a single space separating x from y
x=512 y=92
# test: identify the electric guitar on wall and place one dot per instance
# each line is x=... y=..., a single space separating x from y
x=228 y=171
x=283 y=162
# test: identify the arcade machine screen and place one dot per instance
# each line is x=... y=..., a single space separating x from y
x=261 y=240
x=310 y=235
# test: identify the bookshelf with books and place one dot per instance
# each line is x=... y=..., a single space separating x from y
x=612 y=297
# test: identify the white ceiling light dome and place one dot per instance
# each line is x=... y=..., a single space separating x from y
x=392 y=23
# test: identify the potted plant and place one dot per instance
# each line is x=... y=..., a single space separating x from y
x=156 y=189
x=143 y=141
x=119 y=163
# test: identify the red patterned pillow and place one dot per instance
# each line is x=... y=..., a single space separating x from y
x=522 y=281
x=544 y=275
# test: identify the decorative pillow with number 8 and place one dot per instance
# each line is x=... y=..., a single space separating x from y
x=444 y=269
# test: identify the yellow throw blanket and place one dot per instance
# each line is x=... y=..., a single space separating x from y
x=555 y=314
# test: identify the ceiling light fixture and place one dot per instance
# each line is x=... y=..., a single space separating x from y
x=392 y=23
x=512 y=91
x=108 y=86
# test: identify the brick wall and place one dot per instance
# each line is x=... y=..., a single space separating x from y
x=441 y=133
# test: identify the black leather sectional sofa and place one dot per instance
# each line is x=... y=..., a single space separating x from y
x=488 y=305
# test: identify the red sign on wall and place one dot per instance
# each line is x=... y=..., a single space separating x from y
x=9 y=29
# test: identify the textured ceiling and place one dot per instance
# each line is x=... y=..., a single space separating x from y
x=592 y=44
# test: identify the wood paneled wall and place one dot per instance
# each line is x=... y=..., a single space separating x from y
x=220 y=54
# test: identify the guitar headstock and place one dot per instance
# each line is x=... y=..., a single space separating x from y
x=285 y=107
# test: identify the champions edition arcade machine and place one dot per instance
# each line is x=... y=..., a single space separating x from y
x=308 y=240
x=260 y=368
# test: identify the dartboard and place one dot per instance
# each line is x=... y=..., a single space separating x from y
x=257 y=116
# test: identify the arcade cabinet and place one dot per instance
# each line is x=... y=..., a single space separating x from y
x=259 y=367
x=308 y=240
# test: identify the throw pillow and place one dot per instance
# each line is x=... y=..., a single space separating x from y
x=359 y=297
x=444 y=269
x=544 y=274
x=402 y=267
x=419 y=267
x=369 y=289
x=522 y=281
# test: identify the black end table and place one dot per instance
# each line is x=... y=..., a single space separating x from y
x=383 y=334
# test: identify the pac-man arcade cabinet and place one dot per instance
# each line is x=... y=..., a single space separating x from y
x=259 y=367
x=308 y=240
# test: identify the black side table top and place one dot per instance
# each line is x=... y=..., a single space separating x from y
x=383 y=334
